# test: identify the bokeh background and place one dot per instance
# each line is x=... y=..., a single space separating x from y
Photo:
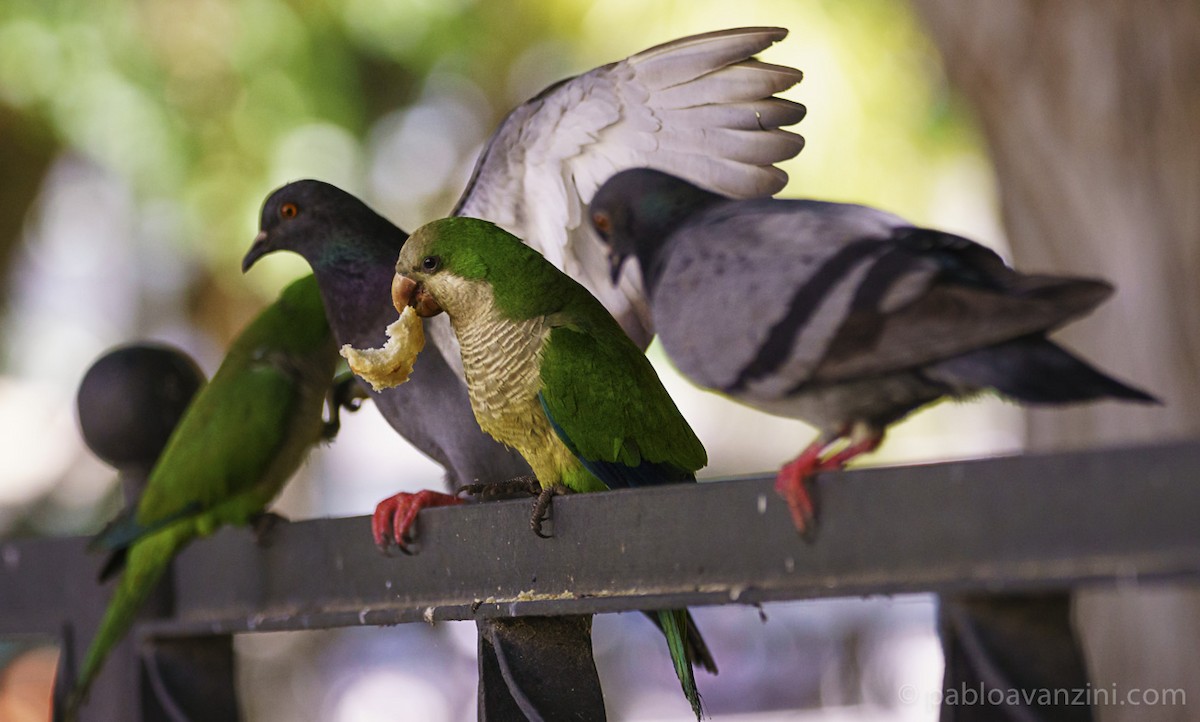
x=138 y=140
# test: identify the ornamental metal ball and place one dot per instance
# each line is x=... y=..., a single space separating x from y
x=131 y=399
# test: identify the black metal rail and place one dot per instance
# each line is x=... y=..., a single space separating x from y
x=994 y=524
x=1003 y=524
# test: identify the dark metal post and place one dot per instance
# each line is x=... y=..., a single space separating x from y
x=1001 y=643
x=538 y=668
x=129 y=402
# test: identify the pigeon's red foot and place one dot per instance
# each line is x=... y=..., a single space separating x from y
x=791 y=483
x=838 y=461
x=395 y=516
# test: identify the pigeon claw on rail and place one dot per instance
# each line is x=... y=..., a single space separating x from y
x=396 y=516
x=791 y=483
x=792 y=480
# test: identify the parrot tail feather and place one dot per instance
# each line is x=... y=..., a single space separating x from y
x=147 y=560
x=698 y=652
x=675 y=625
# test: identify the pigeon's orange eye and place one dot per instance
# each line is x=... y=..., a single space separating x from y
x=288 y=210
x=601 y=222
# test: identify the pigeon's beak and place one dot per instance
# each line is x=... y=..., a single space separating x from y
x=407 y=292
x=258 y=249
x=615 y=262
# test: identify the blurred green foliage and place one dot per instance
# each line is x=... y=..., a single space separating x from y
x=190 y=100
x=194 y=100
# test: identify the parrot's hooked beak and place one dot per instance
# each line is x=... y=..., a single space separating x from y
x=407 y=292
x=258 y=249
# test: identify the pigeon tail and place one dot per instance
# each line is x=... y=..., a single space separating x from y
x=1034 y=370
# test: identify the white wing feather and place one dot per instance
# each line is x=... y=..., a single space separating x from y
x=698 y=107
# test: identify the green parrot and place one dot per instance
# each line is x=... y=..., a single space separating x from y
x=242 y=437
x=551 y=374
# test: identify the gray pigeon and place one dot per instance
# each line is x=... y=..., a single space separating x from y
x=700 y=106
x=840 y=315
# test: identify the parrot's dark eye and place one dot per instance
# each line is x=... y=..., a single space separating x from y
x=431 y=263
x=601 y=222
x=289 y=210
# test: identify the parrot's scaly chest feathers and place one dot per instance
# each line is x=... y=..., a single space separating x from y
x=502 y=364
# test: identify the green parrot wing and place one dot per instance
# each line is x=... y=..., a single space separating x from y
x=609 y=407
x=226 y=443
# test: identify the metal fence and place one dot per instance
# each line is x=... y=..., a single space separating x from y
x=1032 y=522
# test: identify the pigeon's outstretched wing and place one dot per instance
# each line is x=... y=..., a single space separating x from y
x=699 y=107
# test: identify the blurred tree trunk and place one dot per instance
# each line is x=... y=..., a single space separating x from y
x=1091 y=109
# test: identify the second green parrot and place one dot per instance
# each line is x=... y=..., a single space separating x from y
x=550 y=373
x=244 y=434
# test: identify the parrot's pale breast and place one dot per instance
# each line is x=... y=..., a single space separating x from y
x=502 y=364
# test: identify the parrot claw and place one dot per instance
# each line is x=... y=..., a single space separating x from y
x=396 y=516
x=264 y=525
x=346 y=393
x=542 y=506
x=487 y=491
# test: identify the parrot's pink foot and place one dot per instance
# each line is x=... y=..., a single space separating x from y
x=396 y=515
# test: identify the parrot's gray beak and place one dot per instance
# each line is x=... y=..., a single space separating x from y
x=258 y=249
x=407 y=292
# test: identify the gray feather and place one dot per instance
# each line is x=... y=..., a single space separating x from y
x=752 y=147
x=767 y=113
x=747 y=79
x=678 y=61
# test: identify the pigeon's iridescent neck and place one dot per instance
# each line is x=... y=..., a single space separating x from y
x=345 y=252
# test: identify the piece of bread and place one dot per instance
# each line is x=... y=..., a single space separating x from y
x=391 y=365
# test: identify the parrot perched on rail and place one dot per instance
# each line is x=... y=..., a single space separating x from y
x=840 y=315
x=700 y=106
x=551 y=374
x=242 y=437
